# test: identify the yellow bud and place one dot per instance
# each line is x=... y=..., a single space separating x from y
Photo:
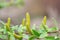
x=17 y=36
x=28 y=22
x=8 y=21
x=28 y=28
x=28 y=18
x=7 y=27
x=8 y=24
x=44 y=20
x=23 y=22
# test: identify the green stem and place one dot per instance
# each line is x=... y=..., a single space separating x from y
x=8 y=37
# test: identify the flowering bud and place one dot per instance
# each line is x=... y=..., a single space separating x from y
x=28 y=22
x=28 y=19
x=8 y=24
x=44 y=20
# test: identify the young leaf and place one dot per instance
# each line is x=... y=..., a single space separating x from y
x=57 y=39
x=43 y=34
x=3 y=36
x=53 y=29
x=25 y=36
x=12 y=37
x=32 y=37
x=34 y=32
x=43 y=25
x=50 y=38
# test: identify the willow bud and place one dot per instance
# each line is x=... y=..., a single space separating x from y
x=44 y=20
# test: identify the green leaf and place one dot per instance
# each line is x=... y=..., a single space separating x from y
x=57 y=39
x=36 y=33
x=9 y=33
x=21 y=38
x=2 y=23
x=25 y=36
x=50 y=38
x=14 y=28
x=44 y=27
x=21 y=29
x=1 y=30
x=53 y=29
x=43 y=35
x=12 y=37
x=32 y=37
x=3 y=36
x=5 y=31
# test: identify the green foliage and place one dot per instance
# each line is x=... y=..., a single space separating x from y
x=49 y=38
x=17 y=3
x=36 y=33
x=20 y=32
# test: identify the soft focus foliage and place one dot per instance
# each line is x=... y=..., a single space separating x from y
x=17 y=3
x=23 y=31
